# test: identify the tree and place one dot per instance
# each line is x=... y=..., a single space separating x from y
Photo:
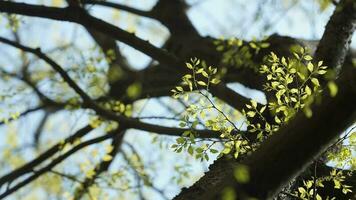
x=282 y=152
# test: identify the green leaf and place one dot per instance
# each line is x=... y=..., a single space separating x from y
x=190 y=150
x=214 y=151
x=310 y=66
x=200 y=70
x=226 y=150
x=274 y=57
x=263 y=109
x=202 y=83
x=308 y=112
x=214 y=70
x=220 y=48
x=302 y=190
x=320 y=63
x=301 y=76
x=182 y=124
x=333 y=89
x=199 y=150
x=251 y=113
x=315 y=81
x=189 y=65
x=206 y=75
x=134 y=90
x=294 y=90
x=289 y=79
x=206 y=156
x=242 y=174
x=279 y=70
x=179 y=88
x=321 y=72
x=308 y=90
x=337 y=184
x=179 y=149
x=284 y=61
x=180 y=140
x=264 y=45
x=302 y=50
x=215 y=81
x=192 y=138
x=254 y=103
x=274 y=84
x=228 y=194
x=308 y=57
x=187 y=76
x=253 y=45
x=186 y=133
x=190 y=86
x=239 y=42
x=309 y=184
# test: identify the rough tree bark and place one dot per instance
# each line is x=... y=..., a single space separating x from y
x=290 y=150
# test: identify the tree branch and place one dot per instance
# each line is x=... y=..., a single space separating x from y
x=38 y=132
x=89 y=103
x=101 y=167
x=337 y=36
x=30 y=110
x=280 y=157
x=10 y=177
x=53 y=163
x=172 y=13
x=119 y=7
x=338 y=113
x=52 y=63
x=78 y=15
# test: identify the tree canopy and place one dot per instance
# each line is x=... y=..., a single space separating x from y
x=177 y=99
